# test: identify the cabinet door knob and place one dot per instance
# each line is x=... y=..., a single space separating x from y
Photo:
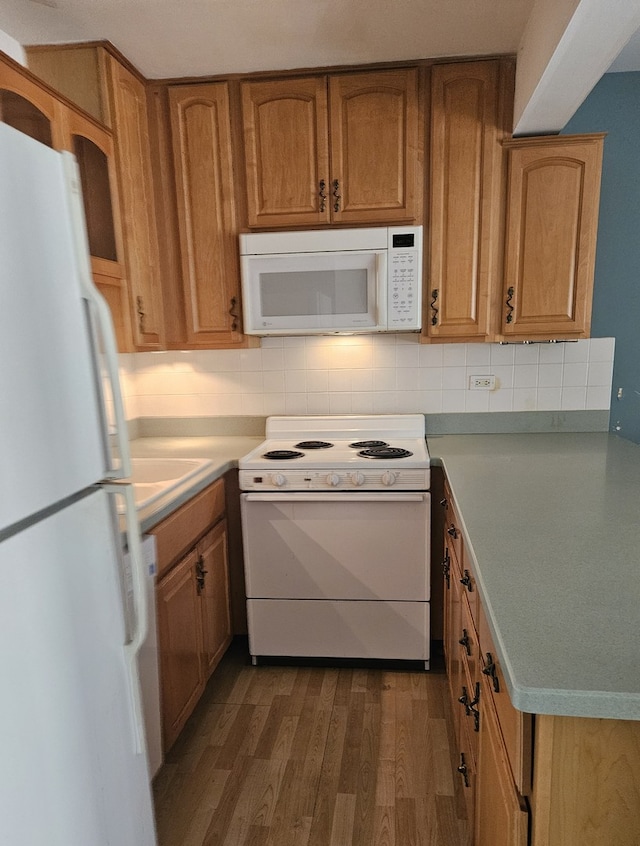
x=141 y=313
x=464 y=641
x=466 y=581
x=336 y=195
x=463 y=770
x=233 y=311
x=433 y=307
x=322 y=194
x=491 y=671
x=444 y=503
x=509 y=304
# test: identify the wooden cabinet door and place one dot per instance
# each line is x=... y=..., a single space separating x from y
x=214 y=596
x=375 y=146
x=501 y=818
x=286 y=151
x=202 y=154
x=28 y=106
x=552 y=219
x=466 y=179
x=180 y=645
x=133 y=158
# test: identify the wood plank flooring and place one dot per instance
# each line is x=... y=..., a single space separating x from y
x=309 y=756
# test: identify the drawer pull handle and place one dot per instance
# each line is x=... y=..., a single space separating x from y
x=200 y=574
x=452 y=531
x=463 y=770
x=446 y=568
x=466 y=581
x=444 y=503
x=490 y=670
x=464 y=641
x=473 y=710
x=464 y=700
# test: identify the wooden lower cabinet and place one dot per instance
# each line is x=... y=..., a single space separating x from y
x=193 y=604
x=527 y=779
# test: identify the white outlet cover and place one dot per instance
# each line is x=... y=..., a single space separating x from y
x=482 y=383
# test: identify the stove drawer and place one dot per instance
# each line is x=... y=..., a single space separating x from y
x=369 y=546
x=330 y=629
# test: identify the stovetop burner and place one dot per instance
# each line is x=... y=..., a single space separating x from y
x=385 y=452
x=313 y=445
x=368 y=444
x=282 y=454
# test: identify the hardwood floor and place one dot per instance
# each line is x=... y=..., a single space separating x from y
x=311 y=756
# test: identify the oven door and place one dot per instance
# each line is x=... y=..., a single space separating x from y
x=306 y=293
x=337 y=574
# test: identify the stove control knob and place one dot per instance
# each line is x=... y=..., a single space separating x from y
x=388 y=478
x=357 y=479
x=333 y=480
x=278 y=480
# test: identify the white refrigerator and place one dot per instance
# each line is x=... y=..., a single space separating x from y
x=73 y=766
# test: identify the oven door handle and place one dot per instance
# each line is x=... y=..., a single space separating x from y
x=338 y=496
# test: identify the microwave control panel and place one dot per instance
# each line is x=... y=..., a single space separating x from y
x=404 y=297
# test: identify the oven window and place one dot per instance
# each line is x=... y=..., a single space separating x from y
x=312 y=292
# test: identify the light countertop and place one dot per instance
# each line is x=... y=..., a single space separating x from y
x=223 y=451
x=553 y=526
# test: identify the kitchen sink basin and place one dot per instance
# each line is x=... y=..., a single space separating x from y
x=154 y=477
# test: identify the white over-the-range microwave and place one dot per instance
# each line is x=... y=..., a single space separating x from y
x=332 y=281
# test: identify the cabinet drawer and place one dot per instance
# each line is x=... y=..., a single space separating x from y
x=178 y=533
x=452 y=525
x=469 y=587
x=514 y=725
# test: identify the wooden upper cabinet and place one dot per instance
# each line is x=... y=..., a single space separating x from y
x=286 y=151
x=341 y=149
x=129 y=109
x=28 y=106
x=374 y=147
x=202 y=155
x=552 y=219
x=463 y=278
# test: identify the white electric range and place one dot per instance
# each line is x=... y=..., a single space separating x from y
x=336 y=527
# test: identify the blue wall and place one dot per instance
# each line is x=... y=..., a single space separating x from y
x=614 y=107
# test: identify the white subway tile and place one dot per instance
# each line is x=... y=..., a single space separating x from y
x=251 y=359
x=527 y=354
x=294 y=358
x=340 y=403
x=408 y=378
x=384 y=379
x=551 y=353
x=574 y=374
x=501 y=400
x=599 y=374
x=295 y=404
x=431 y=355
x=273 y=358
x=252 y=404
x=431 y=378
x=273 y=382
x=407 y=355
x=361 y=380
x=576 y=351
x=454 y=355
x=251 y=382
x=525 y=376
x=601 y=349
x=431 y=402
x=598 y=397
x=502 y=354
x=317 y=357
x=318 y=403
x=524 y=399
x=454 y=378
x=477 y=401
x=271 y=341
x=384 y=355
x=339 y=380
x=453 y=401
x=549 y=398
x=477 y=355
x=295 y=381
x=317 y=381
x=410 y=402
x=294 y=341
x=362 y=402
x=549 y=375
x=274 y=404
x=386 y=402
x=503 y=374
x=573 y=398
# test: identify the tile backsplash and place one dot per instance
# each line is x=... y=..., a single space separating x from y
x=364 y=374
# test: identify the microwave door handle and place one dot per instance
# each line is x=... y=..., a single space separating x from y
x=381 y=289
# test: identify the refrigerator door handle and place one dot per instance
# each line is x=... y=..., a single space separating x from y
x=141 y=615
x=100 y=311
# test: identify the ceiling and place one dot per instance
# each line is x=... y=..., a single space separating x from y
x=163 y=38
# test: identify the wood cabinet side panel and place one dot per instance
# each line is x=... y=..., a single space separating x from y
x=214 y=597
x=586 y=788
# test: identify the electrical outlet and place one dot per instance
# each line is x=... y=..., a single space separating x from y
x=482 y=383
